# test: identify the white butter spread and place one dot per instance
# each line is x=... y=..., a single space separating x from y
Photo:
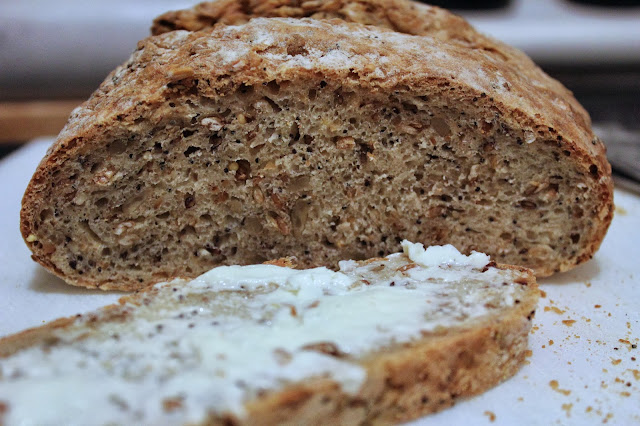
x=443 y=255
x=211 y=344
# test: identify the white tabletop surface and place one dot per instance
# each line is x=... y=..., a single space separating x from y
x=591 y=359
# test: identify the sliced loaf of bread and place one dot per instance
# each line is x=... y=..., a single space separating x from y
x=323 y=140
x=381 y=341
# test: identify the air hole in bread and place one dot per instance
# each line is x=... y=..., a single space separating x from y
x=506 y=236
x=188 y=132
x=189 y=201
x=273 y=87
x=45 y=214
x=274 y=106
x=191 y=150
x=187 y=230
x=312 y=94
x=245 y=90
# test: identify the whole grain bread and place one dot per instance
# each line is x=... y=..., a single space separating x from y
x=177 y=353
x=321 y=139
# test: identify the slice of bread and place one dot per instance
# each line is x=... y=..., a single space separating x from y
x=323 y=140
x=381 y=341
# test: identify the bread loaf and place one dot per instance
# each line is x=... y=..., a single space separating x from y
x=382 y=341
x=321 y=139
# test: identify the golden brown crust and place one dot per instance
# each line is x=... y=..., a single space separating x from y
x=404 y=381
x=45 y=334
x=404 y=16
x=398 y=15
x=413 y=64
x=31 y=337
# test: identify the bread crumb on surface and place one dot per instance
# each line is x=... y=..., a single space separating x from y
x=567 y=408
x=554 y=309
x=556 y=387
x=491 y=415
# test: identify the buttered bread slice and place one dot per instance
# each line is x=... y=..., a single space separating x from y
x=383 y=340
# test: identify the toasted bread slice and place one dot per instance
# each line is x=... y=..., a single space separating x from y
x=383 y=340
x=322 y=140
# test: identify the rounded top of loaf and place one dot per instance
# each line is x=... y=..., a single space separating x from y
x=285 y=49
x=404 y=16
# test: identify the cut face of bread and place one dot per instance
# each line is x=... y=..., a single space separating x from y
x=323 y=140
x=384 y=340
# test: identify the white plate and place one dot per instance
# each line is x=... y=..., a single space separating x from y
x=591 y=359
